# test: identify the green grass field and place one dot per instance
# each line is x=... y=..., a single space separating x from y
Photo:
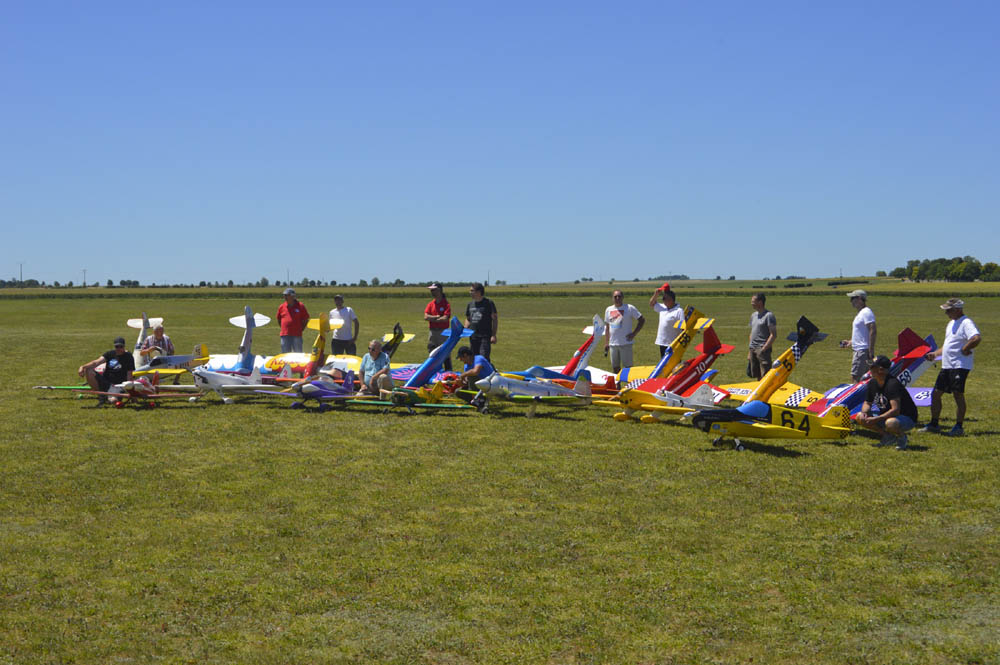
x=196 y=533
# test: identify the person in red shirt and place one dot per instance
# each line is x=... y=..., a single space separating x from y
x=437 y=314
x=292 y=317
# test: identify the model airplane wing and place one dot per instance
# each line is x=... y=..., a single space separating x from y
x=792 y=395
x=258 y=320
x=138 y=323
x=313 y=323
x=920 y=396
x=739 y=391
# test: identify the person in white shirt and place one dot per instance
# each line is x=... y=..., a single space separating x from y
x=670 y=314
x=961 y=336
x=344 y=339
x=619 y=318
x=862 y=335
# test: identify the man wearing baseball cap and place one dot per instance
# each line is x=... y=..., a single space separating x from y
x=118 y=367
x=292 y=317
x=862 y=335
x=437 y=314
x=897 y=414
x=961 y=336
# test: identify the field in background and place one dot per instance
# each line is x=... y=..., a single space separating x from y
x=211 y=533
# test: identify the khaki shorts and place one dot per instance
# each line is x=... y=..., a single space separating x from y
x=621 y=356
x=860 y=365
x=760 y=362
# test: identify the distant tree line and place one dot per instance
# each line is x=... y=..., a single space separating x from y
x=958 y=269
x=260 y=283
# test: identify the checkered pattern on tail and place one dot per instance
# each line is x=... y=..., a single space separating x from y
x=796 y=397
x=797 y=351
x=634 y=383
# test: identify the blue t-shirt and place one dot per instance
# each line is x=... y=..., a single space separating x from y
x=371 y=365
x=487 y=368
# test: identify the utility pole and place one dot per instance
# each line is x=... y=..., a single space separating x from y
x=20 y=279
x=84 y=278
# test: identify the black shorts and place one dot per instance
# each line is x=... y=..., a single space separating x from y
x=951 y=380
x=340 y=347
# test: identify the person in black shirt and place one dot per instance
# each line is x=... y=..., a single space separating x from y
x=481 y=316
x=118 y=367
x=897 y=412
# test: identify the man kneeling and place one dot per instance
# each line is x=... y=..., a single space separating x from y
x=897 y=412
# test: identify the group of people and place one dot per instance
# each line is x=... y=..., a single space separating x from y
x=480 y=316
x=897 y=413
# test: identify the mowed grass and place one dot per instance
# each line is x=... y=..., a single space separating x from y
x=253 y=533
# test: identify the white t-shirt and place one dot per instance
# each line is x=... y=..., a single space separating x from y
x=666 y=332
x=956 y=334
x=620 y=323
x=860 y=339
x=346 y=331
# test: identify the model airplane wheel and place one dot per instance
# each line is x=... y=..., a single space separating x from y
x=717 y=440
x=297 y=405
x=192 y=399
x=323 y=408
x=227 y=400
x=385 y=411
x=739 y=445
x=119 y=404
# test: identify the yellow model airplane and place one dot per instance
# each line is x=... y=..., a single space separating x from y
x=757 y=418
x=694 y=322
x=774 y=387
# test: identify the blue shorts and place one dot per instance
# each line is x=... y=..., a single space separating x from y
x=905 y=423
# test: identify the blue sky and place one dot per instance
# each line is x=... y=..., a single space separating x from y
x=525 y=141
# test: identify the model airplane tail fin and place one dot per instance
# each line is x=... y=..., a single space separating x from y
x=349 y=380
x=286 y=372
x=582 y=385
x=703 y=395
x=200 y=351
x=255 y=375
x=837 y=417
x=710 y=341
x=907 y=341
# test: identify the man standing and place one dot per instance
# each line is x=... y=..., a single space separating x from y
x=374 y=371
x=118 y=367
x=481 y=316
x=344 y=339
x=897 y=412
x=157 y=342
x=437 y=314
x=292 y=317
x=670 y=315
x=618 y=318
x=862 y=335
x=763 y=332
x=960 y=337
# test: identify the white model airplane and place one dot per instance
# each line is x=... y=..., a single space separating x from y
x=244 y=377
x=534 y=392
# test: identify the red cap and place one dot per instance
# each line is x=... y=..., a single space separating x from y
x=665 y=287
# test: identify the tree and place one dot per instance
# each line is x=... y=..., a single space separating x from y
x=880 y=273
x=375 y=281
x=110 y=283
x=362 y=282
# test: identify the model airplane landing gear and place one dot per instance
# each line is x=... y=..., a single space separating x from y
x=738 y=445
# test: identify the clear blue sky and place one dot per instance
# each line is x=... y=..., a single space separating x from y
x=179 y=142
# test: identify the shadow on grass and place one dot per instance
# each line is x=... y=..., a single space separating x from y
x=753 y=446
